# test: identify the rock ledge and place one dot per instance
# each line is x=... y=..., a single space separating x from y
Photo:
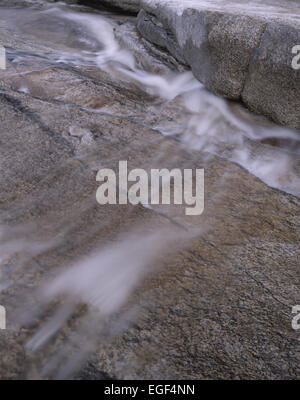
x=238 y=51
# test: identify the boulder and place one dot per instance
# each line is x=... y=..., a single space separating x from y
x=238 y=51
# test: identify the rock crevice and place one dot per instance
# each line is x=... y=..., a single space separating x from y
x=132 y=6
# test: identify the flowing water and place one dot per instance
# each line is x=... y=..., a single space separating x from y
x=174 y=105
x=81 y=39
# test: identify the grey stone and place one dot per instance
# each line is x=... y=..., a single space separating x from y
x=237 y=50
x=219 y=308
x=272 y=86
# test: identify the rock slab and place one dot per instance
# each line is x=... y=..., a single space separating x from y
x=239 y=51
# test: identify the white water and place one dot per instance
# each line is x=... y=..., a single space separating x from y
x=207 y=119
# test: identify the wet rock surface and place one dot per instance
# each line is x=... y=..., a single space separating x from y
x=238 y=50
x=126 y=5
x=214 y=302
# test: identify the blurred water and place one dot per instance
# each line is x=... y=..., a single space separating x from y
x=205 y=121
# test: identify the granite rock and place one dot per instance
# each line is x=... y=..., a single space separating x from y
x=217 y=308
x=237 y=50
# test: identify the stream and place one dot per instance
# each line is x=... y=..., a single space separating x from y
x=81 y=92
